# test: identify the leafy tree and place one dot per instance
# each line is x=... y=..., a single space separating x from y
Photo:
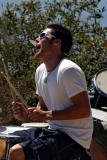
x=20 y=23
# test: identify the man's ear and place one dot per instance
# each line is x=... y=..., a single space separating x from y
x=57 y=42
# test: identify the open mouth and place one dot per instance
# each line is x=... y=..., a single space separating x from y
x=38 y=47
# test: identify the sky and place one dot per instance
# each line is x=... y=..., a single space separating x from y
x=103 y=21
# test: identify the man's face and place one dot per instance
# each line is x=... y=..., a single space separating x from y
x=44 y=43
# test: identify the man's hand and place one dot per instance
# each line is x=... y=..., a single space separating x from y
x=37 y=115
x=19 y=111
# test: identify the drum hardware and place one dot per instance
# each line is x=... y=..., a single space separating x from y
x=99 y=83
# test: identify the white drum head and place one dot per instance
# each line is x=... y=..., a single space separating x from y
x=5 y=136
x=11 y=129
x=35 y=124
x=101 y=81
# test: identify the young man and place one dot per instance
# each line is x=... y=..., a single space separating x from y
x=62 y=101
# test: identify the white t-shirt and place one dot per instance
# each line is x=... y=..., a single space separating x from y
x=56 y=89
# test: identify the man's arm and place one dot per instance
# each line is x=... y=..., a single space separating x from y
x=80 y=109
x=41 y=104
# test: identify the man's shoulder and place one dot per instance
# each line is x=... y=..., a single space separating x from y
x=41 y=67
x=68 y=64
x=40 y=70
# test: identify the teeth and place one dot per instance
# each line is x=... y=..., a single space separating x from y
x=33 y=42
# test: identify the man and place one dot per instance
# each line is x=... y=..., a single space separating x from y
x=62 y=101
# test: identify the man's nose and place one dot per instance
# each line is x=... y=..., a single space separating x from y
x=37 y=40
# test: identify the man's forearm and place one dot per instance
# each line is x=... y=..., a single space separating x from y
x=68 y=114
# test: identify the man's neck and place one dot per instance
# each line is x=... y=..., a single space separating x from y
x=51 y=64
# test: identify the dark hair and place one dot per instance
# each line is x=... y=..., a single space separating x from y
x=64 y=35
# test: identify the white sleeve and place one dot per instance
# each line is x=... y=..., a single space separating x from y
x=36 y=81
x=74 y=81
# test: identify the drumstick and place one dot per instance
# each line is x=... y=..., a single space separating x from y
x=15 y=90
x=33 y=42
x=8 y=77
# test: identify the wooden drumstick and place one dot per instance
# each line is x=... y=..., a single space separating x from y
x=8 y=77
x=14 y=90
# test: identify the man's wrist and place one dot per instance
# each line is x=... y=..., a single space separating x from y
x=49 y=115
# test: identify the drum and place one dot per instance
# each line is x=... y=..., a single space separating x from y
x=5 y=145
x=100 y=82
x=10 y=135
x=36 y=124
x=100 y=87
x=8 y=138
x=3 y=148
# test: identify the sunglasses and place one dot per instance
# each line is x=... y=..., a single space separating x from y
x=43 y=35
x=48 y=35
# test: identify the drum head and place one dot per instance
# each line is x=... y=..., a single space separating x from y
x=35 y=124
x=7 y=136
x=11 y=129
x=100 y=82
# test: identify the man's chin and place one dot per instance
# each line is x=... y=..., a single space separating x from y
x=38 y=55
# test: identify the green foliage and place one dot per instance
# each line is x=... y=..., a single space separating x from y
x=20 y=23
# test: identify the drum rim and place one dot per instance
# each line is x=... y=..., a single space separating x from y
x=36 y=124
x=96 y=86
